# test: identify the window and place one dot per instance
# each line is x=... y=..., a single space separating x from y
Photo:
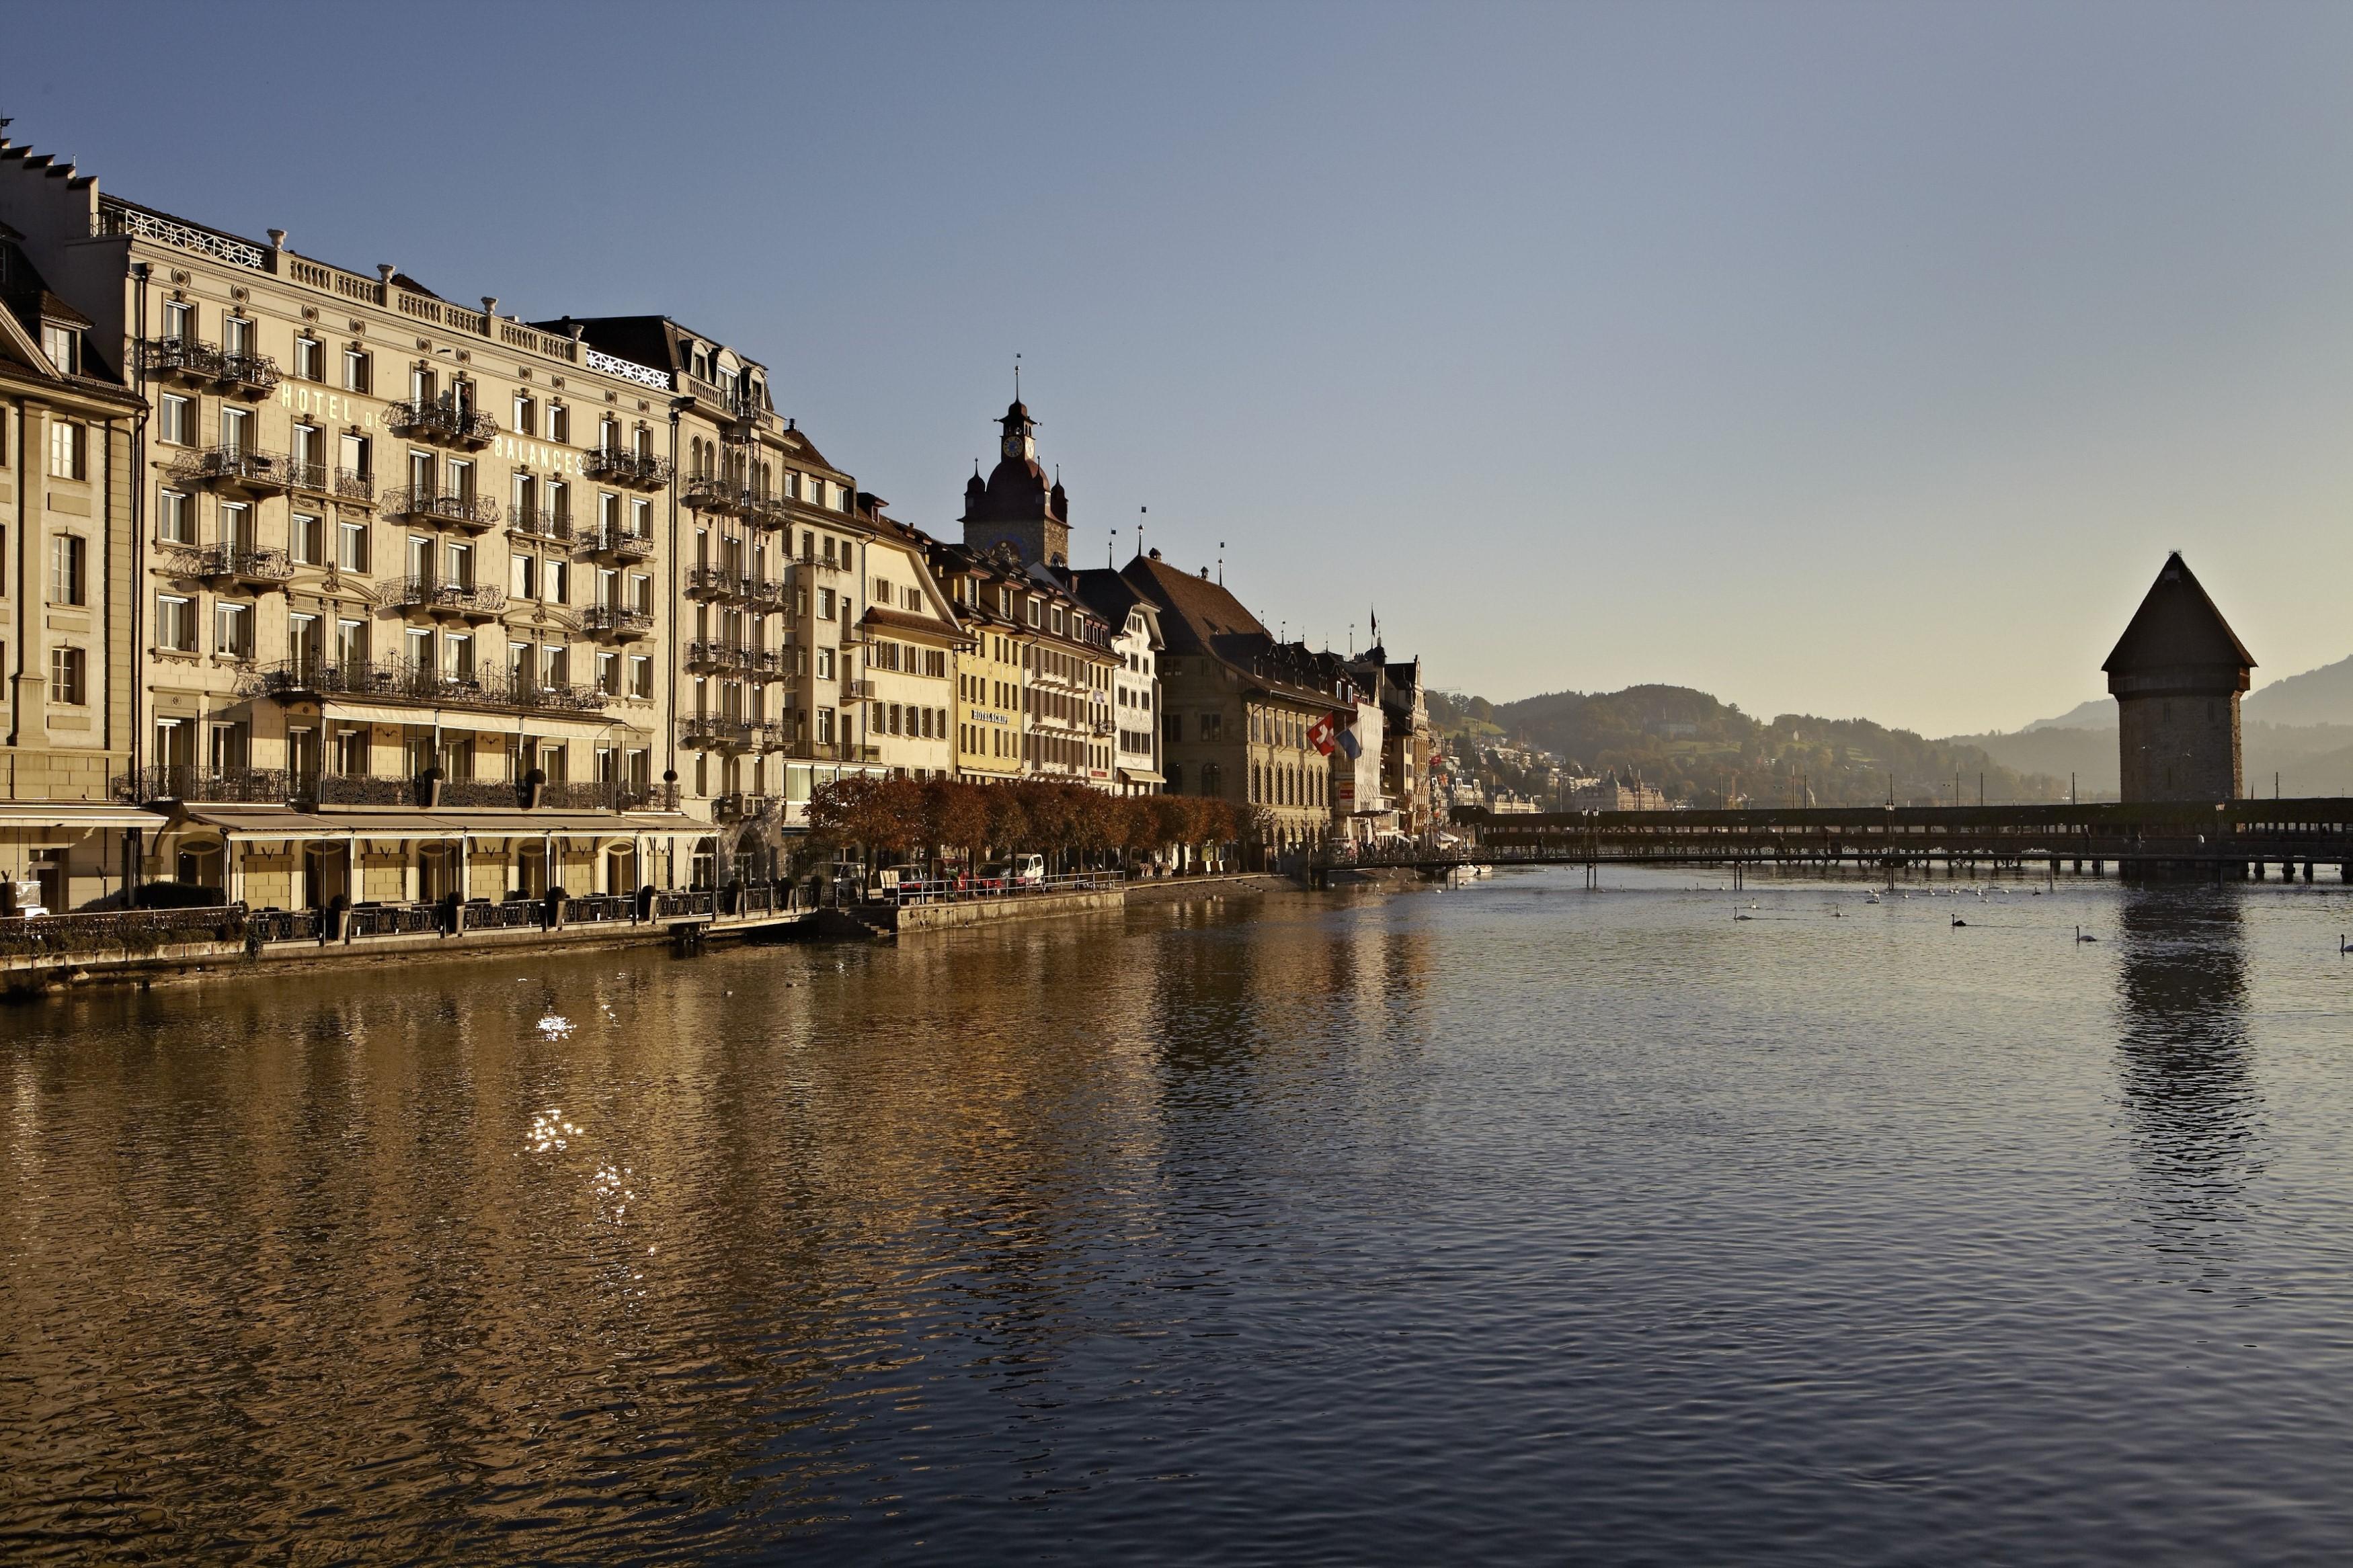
x=355 y=460
x=608 y=674
x=175 y=520
x=179 y=321
x=459 y=560
x=351 y=643
x=1037 y=617
x=825 y=664
x=233 y=630
x=236 y=335
x=176 y=424
x=825 y=604
x=641 y=676
x=1213 y=726
x=825 y=726
x=306 y=538
x=175 y=623
x=63 y=345
x=309 y=359
x=416 y=645
x=351 y=544
x=68 y=457
x=559 y=499
x=359 y=374
x=524 y=583
x=608 y=434
x=66 y=668
x=642 y=519
x=236 y=429
x=524 y=412
x=642 y=593
x=311 y=455
x=237 y=525
x=559 y=423
x=68 y=569
x=556 y=582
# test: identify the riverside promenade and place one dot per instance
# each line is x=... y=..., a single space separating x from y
x=222 y=941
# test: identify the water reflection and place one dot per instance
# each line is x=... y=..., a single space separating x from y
x=2190 y=1098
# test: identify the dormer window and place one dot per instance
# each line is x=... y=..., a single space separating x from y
x=63 y=345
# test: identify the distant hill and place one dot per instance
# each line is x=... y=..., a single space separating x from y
x=2323 y=696
x=2099 y=713
x=1699 y=749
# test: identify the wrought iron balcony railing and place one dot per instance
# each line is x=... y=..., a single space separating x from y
x=763 y=510
x=237 y=562
x=192 y=782
x=713 y=493
x=714 y=583
x=636 y=470
x=431 y=503
x=240 y=466
x=395 y=681
x=614 y=540
x=615 y=622
x=475 y=601
x=239 y=375
x=441 y=420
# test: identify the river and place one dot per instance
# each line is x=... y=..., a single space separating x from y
x=1512 y=1224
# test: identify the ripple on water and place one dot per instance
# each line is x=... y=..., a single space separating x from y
x=1506 y=1224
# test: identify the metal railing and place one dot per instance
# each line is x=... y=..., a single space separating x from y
x=714 y=583
x=508 y=914
x=969 y=888
x=247 y=565
x=620 y=466
x=137 y=930
x=441 y=420
x=613 y=620
x=617 y=540
x=594 y=909
x=430 y=501
x=713 y=492
x=353 y=789
x=251 y=375
x=241 y=466
x=394 y=919
x=395 y=681
x=191 y=782
x=453 y=599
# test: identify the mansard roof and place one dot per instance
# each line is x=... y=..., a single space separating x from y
x=2178 y=627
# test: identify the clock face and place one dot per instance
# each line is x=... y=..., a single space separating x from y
x=1013 y=446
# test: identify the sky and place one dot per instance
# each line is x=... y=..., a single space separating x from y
x=1858 y=360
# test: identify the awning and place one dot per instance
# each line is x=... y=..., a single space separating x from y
x=17 y=815
x=1142 y=776
x=541 y=725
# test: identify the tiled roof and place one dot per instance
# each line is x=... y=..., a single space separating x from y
x=2177 y=627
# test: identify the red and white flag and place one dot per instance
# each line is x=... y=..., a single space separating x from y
x=1319 y=734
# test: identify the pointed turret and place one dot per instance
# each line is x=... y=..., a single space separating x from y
x=2176 y=675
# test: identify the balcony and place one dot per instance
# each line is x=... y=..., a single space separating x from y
x=858 y=691
x=632 y=470
x=237 y=468
x=741 y=806
x=441 y=420
x=343 y=484
x=189 y=782
x=817 y=563
x=712 y=493
x=186 y=360
x=391 y=680
x=236 y=564
x=714 y=583
x=430 y=503
x=762 y=511
x=612 y=623
x=709 y=732
x=769 y=591
x=459 y=600
x=541 y=523
x=612 y=541
x=731 y=658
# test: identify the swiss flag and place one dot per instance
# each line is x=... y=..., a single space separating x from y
x=1319 y=734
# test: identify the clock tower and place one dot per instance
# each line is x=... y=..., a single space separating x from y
x=1016 y=504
